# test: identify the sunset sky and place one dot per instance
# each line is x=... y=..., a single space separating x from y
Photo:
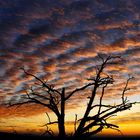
x=59 y=40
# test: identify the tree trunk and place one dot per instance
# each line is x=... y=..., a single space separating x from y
x=61 y=118
x=61 y=127
x=88 y=109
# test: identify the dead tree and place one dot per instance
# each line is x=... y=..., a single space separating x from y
x=55 y=100
x=51 y=98
x=98 y=121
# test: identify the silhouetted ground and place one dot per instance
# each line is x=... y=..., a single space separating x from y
x=9 y=136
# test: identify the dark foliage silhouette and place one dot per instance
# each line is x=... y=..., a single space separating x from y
x=91 y=123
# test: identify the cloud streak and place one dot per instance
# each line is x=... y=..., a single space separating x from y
x=61 y=40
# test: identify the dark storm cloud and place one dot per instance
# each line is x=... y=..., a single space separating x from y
x=62 y=38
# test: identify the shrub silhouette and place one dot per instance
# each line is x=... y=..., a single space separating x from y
x=55 y=100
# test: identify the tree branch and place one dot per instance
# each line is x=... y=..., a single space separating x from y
x=101 y=98
x=125 y=89
x=42 y=82
x=89 y=134
x=75 y=122
x=78 y=89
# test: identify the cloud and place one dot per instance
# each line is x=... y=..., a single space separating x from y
x=60 y=40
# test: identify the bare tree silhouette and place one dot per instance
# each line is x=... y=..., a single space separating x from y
x=55 y=100
x=104 y=112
